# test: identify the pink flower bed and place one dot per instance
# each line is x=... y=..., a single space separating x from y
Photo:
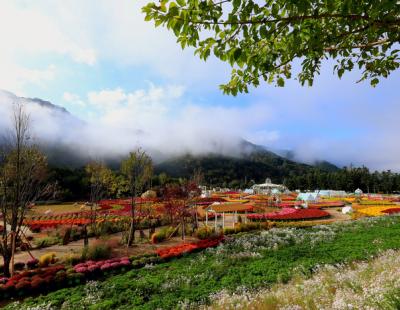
x=90 y=267
x=288 y=204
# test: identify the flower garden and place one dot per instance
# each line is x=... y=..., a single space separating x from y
x=241 y=263
x=249 y=239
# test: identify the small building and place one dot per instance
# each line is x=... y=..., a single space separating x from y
x=269 y=188
x=358 y=192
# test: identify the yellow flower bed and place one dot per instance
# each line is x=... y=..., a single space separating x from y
x=373 y=210
x=377 y=202
x=237 y=200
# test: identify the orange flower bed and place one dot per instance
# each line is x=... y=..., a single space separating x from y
x=179 y=250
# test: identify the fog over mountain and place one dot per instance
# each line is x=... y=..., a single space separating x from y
x=70 y=140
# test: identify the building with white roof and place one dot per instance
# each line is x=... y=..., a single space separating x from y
x=268 y=188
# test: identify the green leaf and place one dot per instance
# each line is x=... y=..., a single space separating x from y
x=374 y=82
x=237 y=54
x=280 y=82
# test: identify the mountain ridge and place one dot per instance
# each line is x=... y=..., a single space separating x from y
x=251 y=161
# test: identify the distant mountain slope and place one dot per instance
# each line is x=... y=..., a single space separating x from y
x=325 y=166
x=9 y=97
x=222 y=170
x=63 y=131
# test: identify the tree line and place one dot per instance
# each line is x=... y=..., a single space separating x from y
x=348 y=179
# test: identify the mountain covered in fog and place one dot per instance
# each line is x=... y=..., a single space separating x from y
x=71 y=142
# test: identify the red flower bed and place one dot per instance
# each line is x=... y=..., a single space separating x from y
x=391 y=211
x=326 y=204
x=179 y=250
x=209 y=200
x=294 y=214
x=288 y=198
x=231 y=193
x=40 y=224
x=288 y=204
x=36 y=280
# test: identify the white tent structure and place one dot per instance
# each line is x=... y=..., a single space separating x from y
x=347 y=210
x=332 y=193
x=268 y=188
x=249 y=191
x=310 y=197
x=358 y=192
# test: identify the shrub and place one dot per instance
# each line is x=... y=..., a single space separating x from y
x=37 y=283
x=244 y=227
x=47 y=259
x=19 y=266
x=162 y=234
x=23 y=284
x=46 y=242
x=96 y=251
x=72 y=259
x=66 y=236
x=229 y=231
x=32 y=263
x=206 y=233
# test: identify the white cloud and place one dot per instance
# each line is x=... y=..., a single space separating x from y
x=74 y=99
x=26 y=32
x=14 y=77
x=157 y=118
x=264 y=137
x=93 y=31
x=105 y=98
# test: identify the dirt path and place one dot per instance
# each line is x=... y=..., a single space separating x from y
x=337 y=215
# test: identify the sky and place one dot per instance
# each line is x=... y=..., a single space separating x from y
x=108 y=67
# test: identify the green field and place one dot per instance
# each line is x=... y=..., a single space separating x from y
x=248 y=261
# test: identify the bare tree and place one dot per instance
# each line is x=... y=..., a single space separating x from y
x=138 y=168
x=23 y=171
x=178 y=201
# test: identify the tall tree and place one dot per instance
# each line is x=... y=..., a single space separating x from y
x=23 y=170
x=138 y=169
x=101 y=179
x=262 y=40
